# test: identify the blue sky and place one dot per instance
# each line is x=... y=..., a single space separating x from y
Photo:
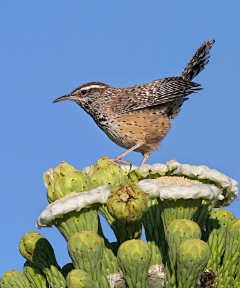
x=48 y=48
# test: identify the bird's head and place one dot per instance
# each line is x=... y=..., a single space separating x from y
x=85 y=95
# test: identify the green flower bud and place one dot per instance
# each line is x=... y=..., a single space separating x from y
x=192 y=258
x=63 y=180
x=178 y=231
x=106 y=172
x=78 y=278
x=14 y=279
x=128 y=204
x=34 y=247
x=86 y=249
x=134 y=258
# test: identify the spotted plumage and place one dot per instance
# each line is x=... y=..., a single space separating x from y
x=138 y=117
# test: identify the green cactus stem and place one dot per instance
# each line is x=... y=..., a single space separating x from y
x=230 y=264
x=127 y=204
x=203 y=212
x=178 y=231
x=236 y=282
x=84 y=220
x=78 y=278
x=154 y=231
x=179 y=209
x=35 y=248
x=109 y=265
x=217 y=225
x=192 y=258
x=86 y=249
x=134 y=258
x=35 y=275
x=109 y=262
x=152 y=219
x=14 y=279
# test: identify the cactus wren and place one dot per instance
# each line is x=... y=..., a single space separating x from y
x=139 y=117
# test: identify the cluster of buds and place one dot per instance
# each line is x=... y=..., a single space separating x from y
x=191 y=241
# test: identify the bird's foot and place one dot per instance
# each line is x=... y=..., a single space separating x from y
x=120 y=161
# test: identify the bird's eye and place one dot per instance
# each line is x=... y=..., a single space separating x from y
x=84 y=92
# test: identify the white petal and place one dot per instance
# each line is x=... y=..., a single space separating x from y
x=74 y=203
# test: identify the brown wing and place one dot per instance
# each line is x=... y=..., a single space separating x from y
x=153 y=93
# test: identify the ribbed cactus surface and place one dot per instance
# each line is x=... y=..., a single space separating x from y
x=178 y=209
x=178 y=231
x=78 y=278
x=14 y=279
x=86 y=249
x=192 y=258
x=35 y=275
x=134 y=257
x=217 y=225
x=231 y=260
x=153 y=225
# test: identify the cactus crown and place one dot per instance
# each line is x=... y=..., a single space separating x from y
x=190 y=243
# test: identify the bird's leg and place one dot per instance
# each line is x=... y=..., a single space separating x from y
x=119 y=160
x=146 y=156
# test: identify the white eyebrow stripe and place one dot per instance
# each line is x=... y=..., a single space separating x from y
x=93 y=86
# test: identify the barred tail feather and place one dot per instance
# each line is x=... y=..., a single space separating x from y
x=198 y=61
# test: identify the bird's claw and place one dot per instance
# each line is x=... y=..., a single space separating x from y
x=120 y=161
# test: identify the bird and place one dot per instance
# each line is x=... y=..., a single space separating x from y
x=138 y=117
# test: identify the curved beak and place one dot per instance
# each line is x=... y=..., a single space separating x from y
x=66 y=97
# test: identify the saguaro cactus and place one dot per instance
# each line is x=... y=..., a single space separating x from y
x=191 y=242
